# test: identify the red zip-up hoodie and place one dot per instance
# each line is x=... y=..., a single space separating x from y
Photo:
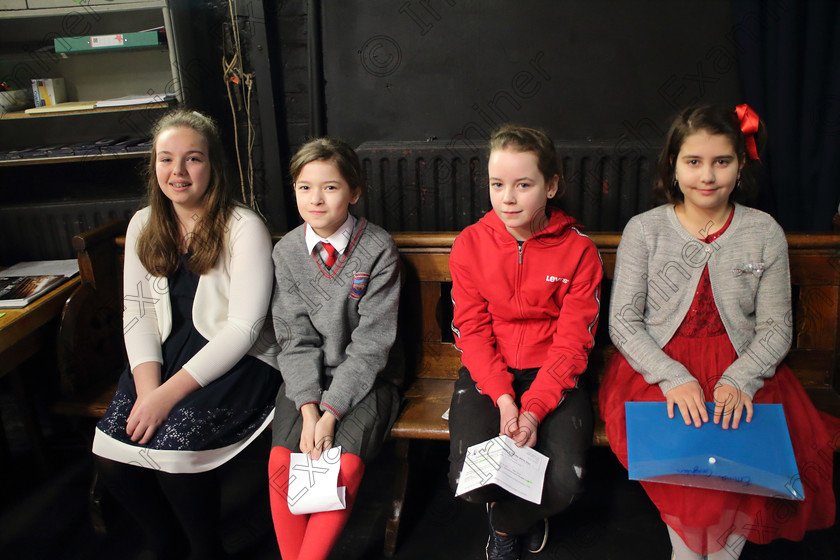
x=529 y=306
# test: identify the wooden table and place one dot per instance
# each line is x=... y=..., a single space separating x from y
x=25 y=332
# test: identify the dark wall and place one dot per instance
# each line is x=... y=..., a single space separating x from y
x=453 y=69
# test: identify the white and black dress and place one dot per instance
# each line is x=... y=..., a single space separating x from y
x=210 y=425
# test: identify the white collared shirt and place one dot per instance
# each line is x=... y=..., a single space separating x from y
x=339 y=240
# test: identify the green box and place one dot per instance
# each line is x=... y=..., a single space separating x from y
x=96 y=43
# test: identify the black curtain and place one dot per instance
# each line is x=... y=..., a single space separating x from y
x=789 y=55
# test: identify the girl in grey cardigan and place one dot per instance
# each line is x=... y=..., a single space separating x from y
x=701 y=311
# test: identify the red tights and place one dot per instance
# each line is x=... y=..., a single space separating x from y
x=312 y=536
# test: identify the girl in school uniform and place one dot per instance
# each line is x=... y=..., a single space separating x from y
x=202 y=369
x=701 y=311
x=335 y=317
x=525 y=290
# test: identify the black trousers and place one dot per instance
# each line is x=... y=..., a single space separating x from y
x=564 y=436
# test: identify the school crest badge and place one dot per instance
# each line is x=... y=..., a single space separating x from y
x=360 y=284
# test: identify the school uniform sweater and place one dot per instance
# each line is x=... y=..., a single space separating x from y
x=533 y=305
x=658 y=267
x=338 y=322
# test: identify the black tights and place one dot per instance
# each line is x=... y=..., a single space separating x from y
x=168 y=506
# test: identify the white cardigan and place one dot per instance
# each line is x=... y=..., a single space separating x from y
x=230 y=308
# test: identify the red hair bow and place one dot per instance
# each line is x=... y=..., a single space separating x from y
x=749 y=126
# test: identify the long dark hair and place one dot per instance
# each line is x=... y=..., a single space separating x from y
x=713 y=119
x=160 y=242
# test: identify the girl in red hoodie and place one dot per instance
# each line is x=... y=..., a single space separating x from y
x=525 y=288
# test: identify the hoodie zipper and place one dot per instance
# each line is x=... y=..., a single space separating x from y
x=518 y=289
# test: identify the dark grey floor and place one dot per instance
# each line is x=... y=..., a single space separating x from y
x=46 y=517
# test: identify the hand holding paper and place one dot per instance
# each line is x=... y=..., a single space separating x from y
x=508 y=416
x=313 y=484
x=519 y=470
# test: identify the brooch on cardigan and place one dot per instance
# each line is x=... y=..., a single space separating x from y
x=749 y=268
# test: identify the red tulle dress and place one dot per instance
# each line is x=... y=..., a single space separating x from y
x=705 y=518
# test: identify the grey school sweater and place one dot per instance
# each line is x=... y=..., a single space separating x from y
x=338 y=322
x=658 y=267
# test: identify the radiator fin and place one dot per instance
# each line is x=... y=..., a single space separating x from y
x=431 y=186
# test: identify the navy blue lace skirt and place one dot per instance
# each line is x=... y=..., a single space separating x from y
x=207 y=427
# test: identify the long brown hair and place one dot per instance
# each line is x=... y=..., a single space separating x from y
x=159 y=244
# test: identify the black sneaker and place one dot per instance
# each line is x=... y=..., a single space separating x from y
x=499 y=546
x=537 y=536
x=502 y=547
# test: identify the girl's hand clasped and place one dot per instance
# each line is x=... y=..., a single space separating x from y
x=520 y=427
x=508 y=416
x=318 y=431
x=147 y=414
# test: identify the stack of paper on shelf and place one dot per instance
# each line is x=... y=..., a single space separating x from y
x=142 y=99
x=63 y=107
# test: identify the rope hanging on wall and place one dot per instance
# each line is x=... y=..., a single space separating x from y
x=239 y=84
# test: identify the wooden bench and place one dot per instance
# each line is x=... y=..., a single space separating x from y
x=815 y=278
x=91 y=334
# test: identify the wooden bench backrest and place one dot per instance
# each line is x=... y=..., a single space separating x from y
x=426 y=311
x=815 y=278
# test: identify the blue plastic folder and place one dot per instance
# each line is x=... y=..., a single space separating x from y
x=757 y=458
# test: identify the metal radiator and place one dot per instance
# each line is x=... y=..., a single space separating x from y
x=45 y=231
x=412 y=186
x=442 y=186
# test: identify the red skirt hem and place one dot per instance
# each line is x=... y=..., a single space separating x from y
x=704 y=518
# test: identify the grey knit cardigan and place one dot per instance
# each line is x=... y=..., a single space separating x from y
x=658 y=267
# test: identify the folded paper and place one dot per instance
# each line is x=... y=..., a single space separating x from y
x=519 y=470
x=313 y=485
x=756 y=458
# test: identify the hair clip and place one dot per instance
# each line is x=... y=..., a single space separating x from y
x=748 y=120
x=756 y=269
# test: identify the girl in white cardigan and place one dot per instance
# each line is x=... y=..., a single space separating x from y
x=701 y=311
x=202 y=371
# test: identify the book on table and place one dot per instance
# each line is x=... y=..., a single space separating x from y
x=25 y=282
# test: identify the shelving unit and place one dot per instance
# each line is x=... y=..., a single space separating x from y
x=65 y=194
x=145 y=107
x=27 y=39
x=73 y=159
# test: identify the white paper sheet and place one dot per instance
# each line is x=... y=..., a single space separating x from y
x=519 y=470
x=66 y=267
x=313 y=485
